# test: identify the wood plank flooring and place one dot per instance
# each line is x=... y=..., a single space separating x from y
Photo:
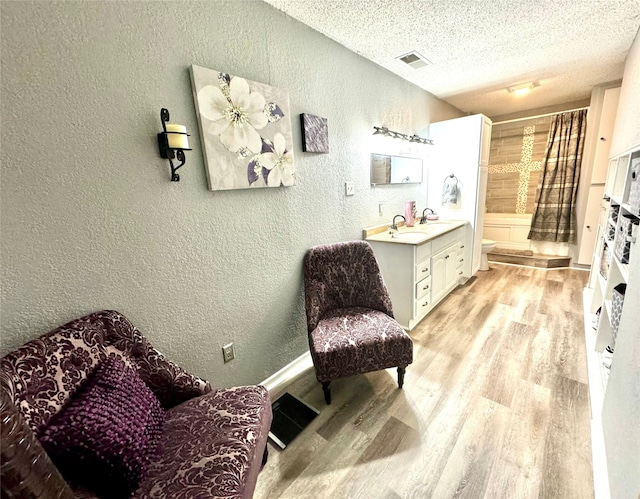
x=495 y=404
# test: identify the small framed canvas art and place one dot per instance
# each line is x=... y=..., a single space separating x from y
x=315 y=133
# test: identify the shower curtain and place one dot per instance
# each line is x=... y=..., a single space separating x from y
x=554 y=216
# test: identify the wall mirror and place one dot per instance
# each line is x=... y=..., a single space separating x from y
x=387 y=169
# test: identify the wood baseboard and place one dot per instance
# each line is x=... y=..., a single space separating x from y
x=277 y=382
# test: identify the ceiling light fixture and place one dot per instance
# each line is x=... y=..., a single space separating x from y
x=523 y=89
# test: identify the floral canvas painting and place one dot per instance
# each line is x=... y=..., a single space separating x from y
x=246 y=131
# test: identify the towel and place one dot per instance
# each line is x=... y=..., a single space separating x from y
x=450 y=190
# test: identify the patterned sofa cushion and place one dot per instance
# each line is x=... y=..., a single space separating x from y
x=106 y=436
x=356 y=340
x=211 y=446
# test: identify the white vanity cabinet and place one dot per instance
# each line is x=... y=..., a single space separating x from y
x=418 y=276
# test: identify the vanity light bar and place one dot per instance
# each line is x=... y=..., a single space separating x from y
x=384 y=131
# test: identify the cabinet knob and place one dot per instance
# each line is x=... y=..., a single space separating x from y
x=425 y=288
x=462 y=247
x=426 y=269
x=603 y=139
x=447 y=256
x=425 y=304
x=462 y=259
x=460 y=273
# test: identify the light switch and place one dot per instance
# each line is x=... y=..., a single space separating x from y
x=349 y=189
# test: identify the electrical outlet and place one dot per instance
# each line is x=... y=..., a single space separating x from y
x=228 y=352
x=349 y=189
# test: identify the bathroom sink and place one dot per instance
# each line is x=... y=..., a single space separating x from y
x=417 y=229
x=410 y=236
x=428 y=228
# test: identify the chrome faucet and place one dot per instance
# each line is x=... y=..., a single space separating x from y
x=394 y=226
x=423 y=220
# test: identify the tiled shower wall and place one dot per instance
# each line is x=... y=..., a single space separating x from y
x=515 y=160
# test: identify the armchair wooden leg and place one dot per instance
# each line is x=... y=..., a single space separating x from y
x=400 y=376
x=327 y=392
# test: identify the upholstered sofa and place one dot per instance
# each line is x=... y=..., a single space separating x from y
x=212 y=442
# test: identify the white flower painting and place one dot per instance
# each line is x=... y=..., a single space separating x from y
x=246 y=131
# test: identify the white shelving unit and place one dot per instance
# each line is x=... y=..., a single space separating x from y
x=608 y=270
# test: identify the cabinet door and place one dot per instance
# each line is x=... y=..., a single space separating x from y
x=605 y=133
x=451 y=268
x=591 y=219
x=438 y=276
x=444 y=273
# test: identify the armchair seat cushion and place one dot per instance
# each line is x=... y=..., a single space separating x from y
x=354 y=340
x=211 y=446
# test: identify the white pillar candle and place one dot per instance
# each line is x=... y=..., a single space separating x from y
x=178 y=140
x=172 y=127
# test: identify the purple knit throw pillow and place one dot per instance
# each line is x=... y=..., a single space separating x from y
x=106 y=436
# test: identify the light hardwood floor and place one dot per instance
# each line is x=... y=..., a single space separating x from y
x=495 y=404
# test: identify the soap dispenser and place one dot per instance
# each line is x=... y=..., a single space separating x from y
x=410 y=213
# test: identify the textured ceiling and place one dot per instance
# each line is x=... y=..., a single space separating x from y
x=478 y=48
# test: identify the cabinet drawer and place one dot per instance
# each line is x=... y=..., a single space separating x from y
x=422 y=270
x=446 y=240
x=423 y=251
x=459 y=259
x=422 y=305
x=423 y=287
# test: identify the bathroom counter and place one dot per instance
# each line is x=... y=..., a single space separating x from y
x=418 y=234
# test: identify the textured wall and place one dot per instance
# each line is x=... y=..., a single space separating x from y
x=90 y=219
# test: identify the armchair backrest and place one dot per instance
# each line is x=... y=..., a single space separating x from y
x=41 y=376
x=342 y=275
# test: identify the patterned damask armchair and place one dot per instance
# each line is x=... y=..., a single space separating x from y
x=349 y=315
x=212 y=444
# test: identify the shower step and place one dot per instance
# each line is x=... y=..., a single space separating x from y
x=524 y=257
